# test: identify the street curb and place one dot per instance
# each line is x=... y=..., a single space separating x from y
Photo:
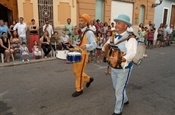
x=23 y=63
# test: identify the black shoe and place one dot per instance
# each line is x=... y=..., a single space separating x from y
x=77 y=93
x=89 y=83
x=126 y=103
x=117 y=113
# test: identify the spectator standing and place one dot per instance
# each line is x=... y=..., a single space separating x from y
x=33 y=28
x=47 y=27
x=97 y=25
x=12 y=26
x=141 y=38
x=150 y=38
x=92 y=26
x=68 y=28
x=21 y=28
x=100 y=42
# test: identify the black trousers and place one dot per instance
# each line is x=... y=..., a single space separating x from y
x=46 y=48
x=66 y=46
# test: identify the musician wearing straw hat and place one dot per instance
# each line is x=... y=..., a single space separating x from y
x=120 y=75
x=87 y=43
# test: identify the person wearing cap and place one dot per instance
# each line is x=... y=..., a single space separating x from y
x=120 y=76
x=87 y=43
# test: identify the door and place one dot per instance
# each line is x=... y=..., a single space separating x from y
x=99 y=10
x=118 y=7
x=165 y=15
x=142 y=14
x=173 y=15
x=45 y=12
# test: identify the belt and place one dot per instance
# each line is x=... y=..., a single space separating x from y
x=127 y=67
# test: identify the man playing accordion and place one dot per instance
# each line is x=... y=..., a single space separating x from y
x=119 y=76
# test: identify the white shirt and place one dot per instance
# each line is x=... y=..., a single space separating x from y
x=92 y=27
x=91 y=43
x=21 y=29
x=65 y=39
x=49 y=29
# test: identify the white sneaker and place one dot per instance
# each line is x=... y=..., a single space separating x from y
x=22 y=60
x=28 y=60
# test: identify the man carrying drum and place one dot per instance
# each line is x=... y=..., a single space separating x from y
x=120 y=76
x=87 y=43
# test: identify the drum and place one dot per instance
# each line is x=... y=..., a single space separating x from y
x=61 y=54
x=141 y=49
x=73 y=57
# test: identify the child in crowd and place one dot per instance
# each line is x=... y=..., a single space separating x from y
x=24 y=52
x=37 y=50
x=150 y=38
x=141 y=39
x=100 y=41
x=108 y=36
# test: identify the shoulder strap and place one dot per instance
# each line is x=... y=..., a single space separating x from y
x=84 y=35
x=130 y=36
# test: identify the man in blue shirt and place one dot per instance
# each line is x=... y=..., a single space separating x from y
x=4 y=28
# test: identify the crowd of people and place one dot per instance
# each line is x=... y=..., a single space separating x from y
x=13 y=37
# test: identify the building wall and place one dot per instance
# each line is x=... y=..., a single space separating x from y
x=86 y=6
x=28 y=9
x=11 y=5
x=62 y=9
x=159 y=11
x=149 y=11
x=107 y=7
x=89 y=7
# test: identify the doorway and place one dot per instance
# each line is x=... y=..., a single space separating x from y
x=173 y=15
x=5 y=14
x=45 y=11
x=99 y=10
x=142 y=14
x=165 y=15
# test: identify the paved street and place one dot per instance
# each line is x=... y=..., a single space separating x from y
x=45 y=88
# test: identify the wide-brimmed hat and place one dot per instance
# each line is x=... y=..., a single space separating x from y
x=86 y=17
x=124 y=18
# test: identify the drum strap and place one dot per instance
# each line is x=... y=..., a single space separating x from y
x=82 y=36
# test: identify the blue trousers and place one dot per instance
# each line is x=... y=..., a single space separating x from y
x=120 y=80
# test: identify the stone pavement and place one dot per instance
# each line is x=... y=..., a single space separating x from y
x=18 y=62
